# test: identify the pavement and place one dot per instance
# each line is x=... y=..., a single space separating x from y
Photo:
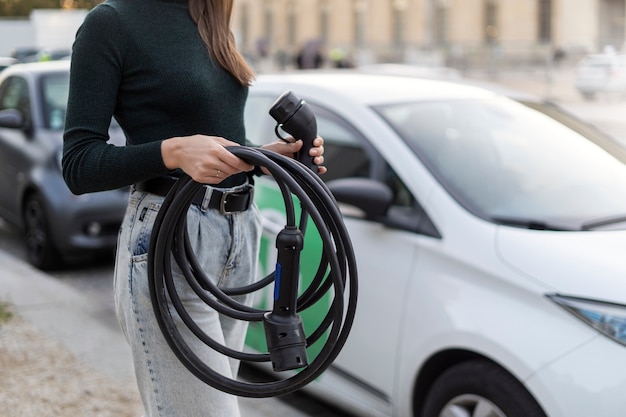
x=63 y=314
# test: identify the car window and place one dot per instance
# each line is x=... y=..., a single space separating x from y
x=586 y=129
x=259 y=124
x=54 y=90
x=347 y=154
x=14 y=95
x=343 y=155
x=503 y=160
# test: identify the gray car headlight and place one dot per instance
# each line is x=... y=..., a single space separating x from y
x=608 y=318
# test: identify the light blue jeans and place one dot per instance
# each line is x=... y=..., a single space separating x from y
x=227 y=248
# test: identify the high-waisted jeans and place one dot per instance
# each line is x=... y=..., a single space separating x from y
x=227 y=248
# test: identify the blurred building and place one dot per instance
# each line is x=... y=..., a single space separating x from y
x=460 y=33
x=45 y=29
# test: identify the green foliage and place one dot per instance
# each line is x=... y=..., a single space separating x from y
x=5 y=312
x=22 y=8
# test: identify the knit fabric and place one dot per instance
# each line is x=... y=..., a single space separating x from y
x=143 y=62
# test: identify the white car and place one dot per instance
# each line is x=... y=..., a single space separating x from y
x=601 y=74
x=6 y=62
x=494 y=282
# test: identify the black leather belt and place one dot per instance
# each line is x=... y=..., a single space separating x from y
x=226 y=201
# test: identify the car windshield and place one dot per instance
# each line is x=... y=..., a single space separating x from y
x=511 y=164
x=55 y=90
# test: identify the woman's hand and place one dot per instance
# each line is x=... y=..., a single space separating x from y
x=291 y=148
x=203 y=158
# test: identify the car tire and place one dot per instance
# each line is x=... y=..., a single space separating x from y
x=40 y=250
x=479 y=387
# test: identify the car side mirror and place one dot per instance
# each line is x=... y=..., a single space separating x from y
x=371 y=197
x=11 y=118
x=373 y=200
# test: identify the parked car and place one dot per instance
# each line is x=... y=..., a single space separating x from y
x=34 y=54
x=601 y=74
x=493 y=282
x=6 y=61
x=25 y=53
x=58 y=225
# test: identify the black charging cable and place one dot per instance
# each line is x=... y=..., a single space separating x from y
x=287 y=342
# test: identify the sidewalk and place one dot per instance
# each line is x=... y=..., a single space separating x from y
x=62 y=314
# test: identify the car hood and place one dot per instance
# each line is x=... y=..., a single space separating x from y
x=582 y=264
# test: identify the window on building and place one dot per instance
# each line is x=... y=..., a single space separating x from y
x=325 y=21
x=398 y=10
x=292 y=24
x=441 y=23
x=360 y=10
x=545 y=21
x=491 y=21
x=268 y=21
x=244 y=25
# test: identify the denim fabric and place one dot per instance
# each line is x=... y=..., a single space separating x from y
x=227 y=247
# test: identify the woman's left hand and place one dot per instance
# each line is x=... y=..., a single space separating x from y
x=291 y=148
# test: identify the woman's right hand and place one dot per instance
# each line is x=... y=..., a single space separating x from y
x=204 y=158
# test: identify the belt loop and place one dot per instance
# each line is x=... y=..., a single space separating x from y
x=208 y=192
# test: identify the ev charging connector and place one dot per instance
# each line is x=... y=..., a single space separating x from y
x=286 y=339
x=295 y=117
x=284 y=333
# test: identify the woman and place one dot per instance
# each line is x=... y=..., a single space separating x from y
x=169 y=72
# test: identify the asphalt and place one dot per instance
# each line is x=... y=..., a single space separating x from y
x=63 y=314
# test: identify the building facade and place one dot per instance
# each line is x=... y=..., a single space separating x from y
x=452 y=32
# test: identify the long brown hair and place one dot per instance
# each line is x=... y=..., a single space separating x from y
x=213 y=20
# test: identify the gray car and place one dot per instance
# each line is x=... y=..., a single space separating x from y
x=59 y=227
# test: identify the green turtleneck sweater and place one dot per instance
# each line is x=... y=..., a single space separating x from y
x=143 y=62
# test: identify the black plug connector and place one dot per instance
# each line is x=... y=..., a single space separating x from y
x=295 y=117
x=284 y=333
x=286 y=341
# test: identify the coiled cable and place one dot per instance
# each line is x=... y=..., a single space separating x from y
x=336 y=277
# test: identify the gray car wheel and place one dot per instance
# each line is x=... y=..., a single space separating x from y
x=40 y=250
x=479 y=388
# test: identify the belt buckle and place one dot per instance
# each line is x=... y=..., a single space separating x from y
x=225 y=194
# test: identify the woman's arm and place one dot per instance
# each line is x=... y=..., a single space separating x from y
x=89 y=163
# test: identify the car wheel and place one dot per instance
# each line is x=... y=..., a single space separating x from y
x=40 y=250
x=479 y=388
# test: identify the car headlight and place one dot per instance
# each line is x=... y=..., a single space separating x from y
x=608 y=318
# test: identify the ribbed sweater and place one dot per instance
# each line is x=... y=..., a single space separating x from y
x=143 y=62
